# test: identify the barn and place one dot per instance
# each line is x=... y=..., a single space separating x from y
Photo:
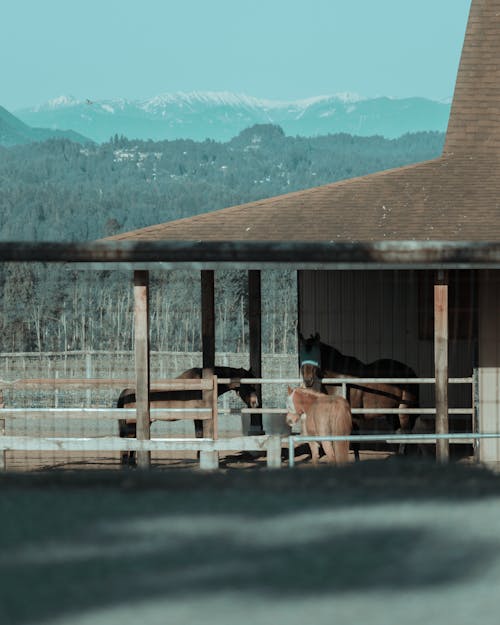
x=403 y=264
x=375 y=255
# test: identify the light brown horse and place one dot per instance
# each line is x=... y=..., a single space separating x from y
x=321 y=415
x=185 y=399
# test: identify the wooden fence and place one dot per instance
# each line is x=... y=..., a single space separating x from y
x=209 y=448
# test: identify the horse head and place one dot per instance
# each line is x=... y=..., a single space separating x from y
x=247 y=392
x=293 y=414
x=310 y=359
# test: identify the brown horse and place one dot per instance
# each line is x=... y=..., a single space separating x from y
x=319 y=360
x=186 y=399
x=321 y=415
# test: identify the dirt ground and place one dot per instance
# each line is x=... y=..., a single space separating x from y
x=22 y=461
x=379 y=542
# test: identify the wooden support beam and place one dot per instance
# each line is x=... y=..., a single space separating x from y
x=208 y=318
x=255 y=341
x=207 y=279
x=142 y=366
x=441 y=365
x=210 y=401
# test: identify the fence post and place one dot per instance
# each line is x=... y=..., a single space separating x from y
x=274 y=452
x=441 y=366
x=255 y=341
x=210 y=459
x=141 y=327
x=475 y=413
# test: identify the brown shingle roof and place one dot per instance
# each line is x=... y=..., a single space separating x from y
x=454 y=197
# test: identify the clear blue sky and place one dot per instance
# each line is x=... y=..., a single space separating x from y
x=279 y=49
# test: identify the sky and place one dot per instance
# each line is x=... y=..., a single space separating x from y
x=273 y=49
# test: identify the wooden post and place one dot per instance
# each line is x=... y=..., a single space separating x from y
x=210 y=459
x=255 y=340
x=141 y=327
x=207 y=336
x=441 y=365
x=274 y=452
x=208 y=402
x=208 y=318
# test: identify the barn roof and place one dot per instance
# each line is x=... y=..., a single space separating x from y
x=455 y=197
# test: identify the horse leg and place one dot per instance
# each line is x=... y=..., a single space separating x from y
x=314 y=447
x=198 y=428
x=324 y=429
x=127 y=430
x=329 y=451
x=310 y=431
x=405 y=427
x=355 y=446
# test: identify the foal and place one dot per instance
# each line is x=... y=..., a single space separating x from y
x=321 y=415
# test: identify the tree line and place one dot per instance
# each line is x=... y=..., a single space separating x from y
x=59 y=190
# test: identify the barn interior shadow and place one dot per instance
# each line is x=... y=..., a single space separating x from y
x=103 y=544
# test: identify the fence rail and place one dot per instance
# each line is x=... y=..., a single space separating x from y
x=208 y=447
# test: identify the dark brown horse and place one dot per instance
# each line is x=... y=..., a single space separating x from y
x=319 y=360
x=186 y=399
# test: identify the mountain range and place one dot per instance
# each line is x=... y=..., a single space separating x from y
x=220 y=116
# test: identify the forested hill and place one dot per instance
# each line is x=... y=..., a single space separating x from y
x=60 y=190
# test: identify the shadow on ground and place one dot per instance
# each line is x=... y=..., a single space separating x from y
x=72 y=541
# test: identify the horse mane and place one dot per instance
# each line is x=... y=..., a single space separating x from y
x=309 y=391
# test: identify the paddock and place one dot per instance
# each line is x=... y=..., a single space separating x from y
x=461 y=416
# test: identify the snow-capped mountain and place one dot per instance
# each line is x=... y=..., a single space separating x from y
x=223 y=115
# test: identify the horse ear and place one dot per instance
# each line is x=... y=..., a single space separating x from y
x=289 y=390
x=316 y=336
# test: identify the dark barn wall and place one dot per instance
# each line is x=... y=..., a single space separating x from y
x=389 y=314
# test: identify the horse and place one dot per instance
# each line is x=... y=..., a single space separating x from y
x=319 y=360
x=321 y=415
x=186 y=399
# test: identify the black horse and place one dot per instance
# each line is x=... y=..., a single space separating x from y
x=189 y=399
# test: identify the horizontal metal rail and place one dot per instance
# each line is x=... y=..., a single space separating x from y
x=381 y=411
x=464 y=437
x=350 y=380
x=157 y=413
x=174 y=384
